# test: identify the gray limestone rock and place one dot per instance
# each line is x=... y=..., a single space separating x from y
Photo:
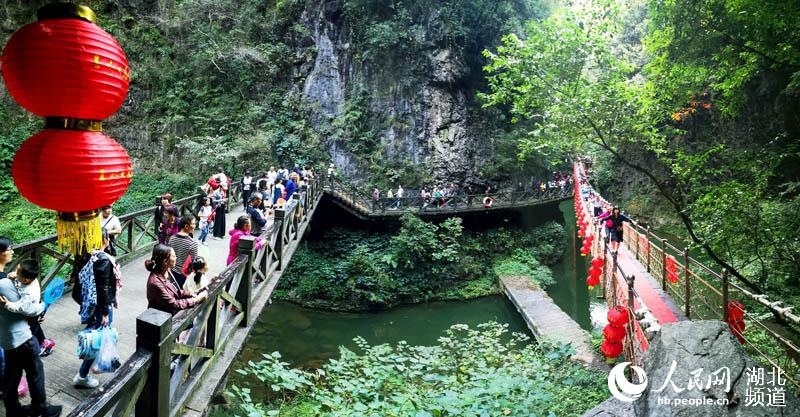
x=705 y=352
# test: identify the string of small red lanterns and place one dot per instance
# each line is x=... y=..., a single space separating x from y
x=68 y=70
x=594 y=272
x=672 y=269
x=614 y=333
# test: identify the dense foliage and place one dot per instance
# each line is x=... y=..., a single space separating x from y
x=698 y=97
x=351 y=269
x=471 y=372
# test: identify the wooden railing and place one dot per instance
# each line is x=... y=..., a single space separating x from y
x=703 y=293
x=362 y=203
x=138 y=235
x=174 y=353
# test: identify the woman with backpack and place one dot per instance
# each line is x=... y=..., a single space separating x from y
x=614 y=224
x=101 y=274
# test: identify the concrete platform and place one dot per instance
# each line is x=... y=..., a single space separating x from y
x=547 y=321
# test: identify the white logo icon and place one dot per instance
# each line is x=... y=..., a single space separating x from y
x=630 y=391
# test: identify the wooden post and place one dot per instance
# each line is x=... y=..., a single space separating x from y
x=280 y=223
x=647 y=236
x=663 y=264
x=247 y=246
x=153 y=329
x=687 y=291
x=725 y=295
x=130 y=235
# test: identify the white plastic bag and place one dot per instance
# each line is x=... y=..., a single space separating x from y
x=108 y=358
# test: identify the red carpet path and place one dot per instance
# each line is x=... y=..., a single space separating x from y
x=647 y=288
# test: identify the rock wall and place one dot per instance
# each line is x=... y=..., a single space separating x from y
x=423 y=118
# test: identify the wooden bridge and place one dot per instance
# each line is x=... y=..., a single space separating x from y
x=164 y=378
x=360 y=204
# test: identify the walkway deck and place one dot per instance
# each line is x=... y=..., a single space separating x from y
x=547 y=320
x=63 y=324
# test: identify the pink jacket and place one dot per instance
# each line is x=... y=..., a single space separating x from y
x=237 y=234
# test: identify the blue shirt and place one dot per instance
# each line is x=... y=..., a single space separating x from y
x=14 y=328
x=291 y=187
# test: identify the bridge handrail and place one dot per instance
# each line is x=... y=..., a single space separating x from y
x=364 y=203
x=138 y=233
x=180 y=349
x=704 y=293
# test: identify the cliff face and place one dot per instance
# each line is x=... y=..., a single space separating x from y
x=420 y=118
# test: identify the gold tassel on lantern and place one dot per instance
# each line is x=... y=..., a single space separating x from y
x=79 y=233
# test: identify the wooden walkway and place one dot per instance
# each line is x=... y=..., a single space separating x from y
x=63 y=324
x=546 y=320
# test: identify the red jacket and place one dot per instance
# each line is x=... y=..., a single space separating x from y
x=163 y=294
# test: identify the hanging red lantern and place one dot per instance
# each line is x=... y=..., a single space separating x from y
x=69 y=70
x=672 y=270
x=64 y=65
x=598 y=262
x=590 y=238
x=737 y=328
x=735 y=311
x=592 y=281
x=618 y=316
x=595 y=271
x=613 y=333
x=584 y=251
x=74 y=173
x=611 y=350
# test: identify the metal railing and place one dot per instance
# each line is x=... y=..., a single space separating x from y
x=174 y=353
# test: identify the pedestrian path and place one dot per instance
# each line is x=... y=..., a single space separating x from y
x=63 y=324
x=648 y=289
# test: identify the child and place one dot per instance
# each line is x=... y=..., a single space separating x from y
x=199 y=267
x=27 y=284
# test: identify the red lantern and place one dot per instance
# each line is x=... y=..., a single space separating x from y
x=618 y=316
x=737 y=328
x=584 y=251
x=592 y=281
x=735 y=311
x=614 y=334
x=99 y=172
x=66 y=66
x=590 y=238
x=611 y=350
x=598 y=262
x=595 y=271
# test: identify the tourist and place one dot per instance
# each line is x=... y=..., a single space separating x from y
x=111 y=223
x=399 y=195
x=199 y=279
x=614 y=222
x=310 y=173
x=106 y=278
x=240 y=229
x=291 y=185
x=376 y=198
x=21 y=351
x=389 y=198
x=26 y=281
x=170 y=225
x=283 y=173
x=272 y=175
x=159 y=213
x=185 y=247
x=219 y=201
x=205 y=214
x=257 y=220
x=265 y=197
x=331 y=172
x=246 y=183
x=223 y=180
x=278 y=191
x=163 y=292
x=426 y=197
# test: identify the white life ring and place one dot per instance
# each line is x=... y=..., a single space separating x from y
x=487 y=202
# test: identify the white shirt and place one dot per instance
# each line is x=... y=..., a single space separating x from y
x=246 y=181
x=400 y=192
x=271 y=177
x=204 y=212
x=110 y=223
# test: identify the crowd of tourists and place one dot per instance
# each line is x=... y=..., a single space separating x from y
x=609 y=217
x=447 y=195
x=178 y=277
